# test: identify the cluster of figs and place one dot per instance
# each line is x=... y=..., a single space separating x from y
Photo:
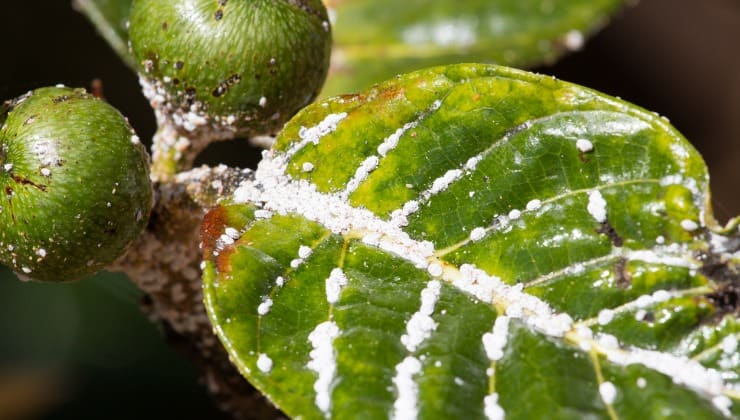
x=75 y=177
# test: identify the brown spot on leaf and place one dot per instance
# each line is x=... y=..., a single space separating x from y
x=212 y=227
x=726 y=295
x=583 y=156
x=621 y=274
x=607 y=229
x=25 y=181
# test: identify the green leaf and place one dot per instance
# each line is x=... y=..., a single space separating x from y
x=377 y=39
x=110 y=17
x=472 y=241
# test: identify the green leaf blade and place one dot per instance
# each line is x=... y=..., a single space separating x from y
x=110 y=18
x=552 y=240
x=375 y=40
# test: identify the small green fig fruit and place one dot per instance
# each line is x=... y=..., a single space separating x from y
x=235 y=67
x=74 y=184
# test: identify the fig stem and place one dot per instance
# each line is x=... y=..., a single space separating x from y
x=173 y=151
x=164 y=262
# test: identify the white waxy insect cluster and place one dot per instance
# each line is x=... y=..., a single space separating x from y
x=405 y=407
x=608 y=392
x=495 y=341
x=477 y=234
x=534 y=205
x=264 y=307
x=314 y=134
x=303 y=253
x=323 y=362
x=597 y=206
x=334 y=284
x=605 y=316
x=492 y=409
x=421 y=325
x=274 y=191
x=689 y=225
x=264 y=363
x=573 y=40
x=584 y=146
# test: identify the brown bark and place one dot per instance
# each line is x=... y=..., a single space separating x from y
x=165 y=263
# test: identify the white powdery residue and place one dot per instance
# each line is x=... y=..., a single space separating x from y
x=605 y=316
x=361 y=174
x=334 y=284
x=597 y=206
x=307 y=167
x=264 y=307
x=659 y=255
x=323 y=362
x=608 y=392
x=45 y=150
x=495 y=341
x=723 y=404
x=680 y=151
x=689 y=225
x=681 y=370
x=530 y=309
x=421 y=325
x=440 y=184
x=405 y=407
x=391 y=142
x=46 y=172
x=729 y=344
x=435 y=269
x=264 y=363
x=314 y=134
x=223 y=241
x=584 y=146
x=534 y=205
x=677 y=179
x=473 y=162
x=399 y=217
x=275 y=191
x=232 y=233
x=640 y=315
x=304 y=252
x=573 y=40
x=262 y=214
x=492 y=409
x=477 y=234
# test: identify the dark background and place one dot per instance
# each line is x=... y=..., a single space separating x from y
x=84 y=350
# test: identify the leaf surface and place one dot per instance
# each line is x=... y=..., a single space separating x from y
x=377 y=39
x=474 y=241
x=110 y=18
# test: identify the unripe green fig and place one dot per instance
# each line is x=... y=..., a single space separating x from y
x=235 y=67
x=74 y=184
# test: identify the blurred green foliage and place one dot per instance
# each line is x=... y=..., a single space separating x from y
x=85 y=350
